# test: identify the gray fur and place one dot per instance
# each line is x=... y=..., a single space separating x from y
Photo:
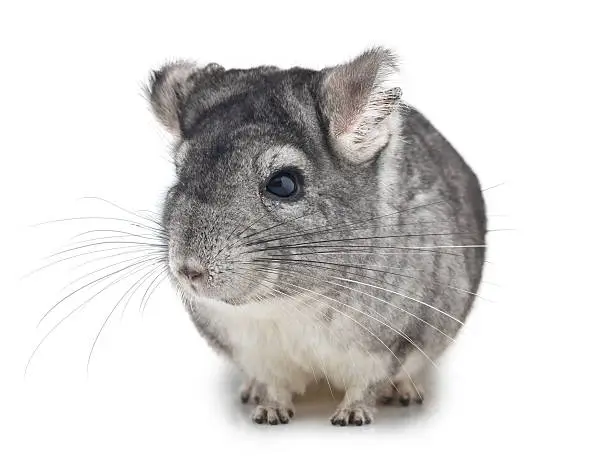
x=235 y=128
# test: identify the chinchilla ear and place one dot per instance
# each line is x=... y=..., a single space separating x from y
x=357 y=100
x=169 y=88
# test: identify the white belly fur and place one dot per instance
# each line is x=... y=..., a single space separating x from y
x=280 y=345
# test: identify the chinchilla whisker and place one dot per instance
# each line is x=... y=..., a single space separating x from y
x=310 y=233
x=226 y=244
x=240 y=270
x=262 y=241
x=267 y=249
x=255 y=284
x=118 y=237
x=284 y=222
x=250 y=281
x=368 y=267
x=148 y=256
x=48 y=265
x=323 y=369
x=238 y=238
x=151 y=289
x=101 y=329
x=349 y=224
x=155 y=222
x=335 y=334
x=126 y=233
x=367 y=238
x=125 y=220
x=385 y=324
x=139 y=283
x=114 y=255
x=298 y=273
x=125 y=251
x=109 y=239
x=377 y=254
x=363 y=327
x=251 y=225
x=72 y=312
x=149 y=211
x=131 y=243
x=89 y=284
x=492 y=187
x=361 y=292
x=377 y=217
x=142 y=298
x=229 y=237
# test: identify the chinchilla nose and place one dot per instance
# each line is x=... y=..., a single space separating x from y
x=194 y=275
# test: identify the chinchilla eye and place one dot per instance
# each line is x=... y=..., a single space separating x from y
x=282 y=184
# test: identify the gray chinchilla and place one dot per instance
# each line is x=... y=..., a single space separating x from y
x=319 y=228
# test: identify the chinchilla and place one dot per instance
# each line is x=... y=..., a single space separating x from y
x=318 y=229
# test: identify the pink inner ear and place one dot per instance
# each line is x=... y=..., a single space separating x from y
x=349 y=100
x=349 y=87
x=357 y=100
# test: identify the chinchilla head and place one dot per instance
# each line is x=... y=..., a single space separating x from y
x=264 y=157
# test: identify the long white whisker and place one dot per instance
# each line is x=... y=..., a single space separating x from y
x=367 y=267
x=307 y=245
x=78 y=308
x=131 y=243
x=416 y=300
x=377 y=217
x=152 y=288
x=125 y=220
x=125 y=250
x=94 y=282
x=377 y=254
x=297 y=274
x=400 y=333
x=102 y=328
x=117 y=232
x=155 y=222
x=112 y=265
x=407 y=338
x=98 y=259
x=139 y=284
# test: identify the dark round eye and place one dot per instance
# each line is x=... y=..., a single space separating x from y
x=282 y=184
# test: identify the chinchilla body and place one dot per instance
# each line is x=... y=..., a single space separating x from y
x=319 y=229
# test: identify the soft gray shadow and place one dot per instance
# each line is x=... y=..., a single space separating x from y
x=314 y=408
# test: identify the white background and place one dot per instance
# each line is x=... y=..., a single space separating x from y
x=522 y=91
